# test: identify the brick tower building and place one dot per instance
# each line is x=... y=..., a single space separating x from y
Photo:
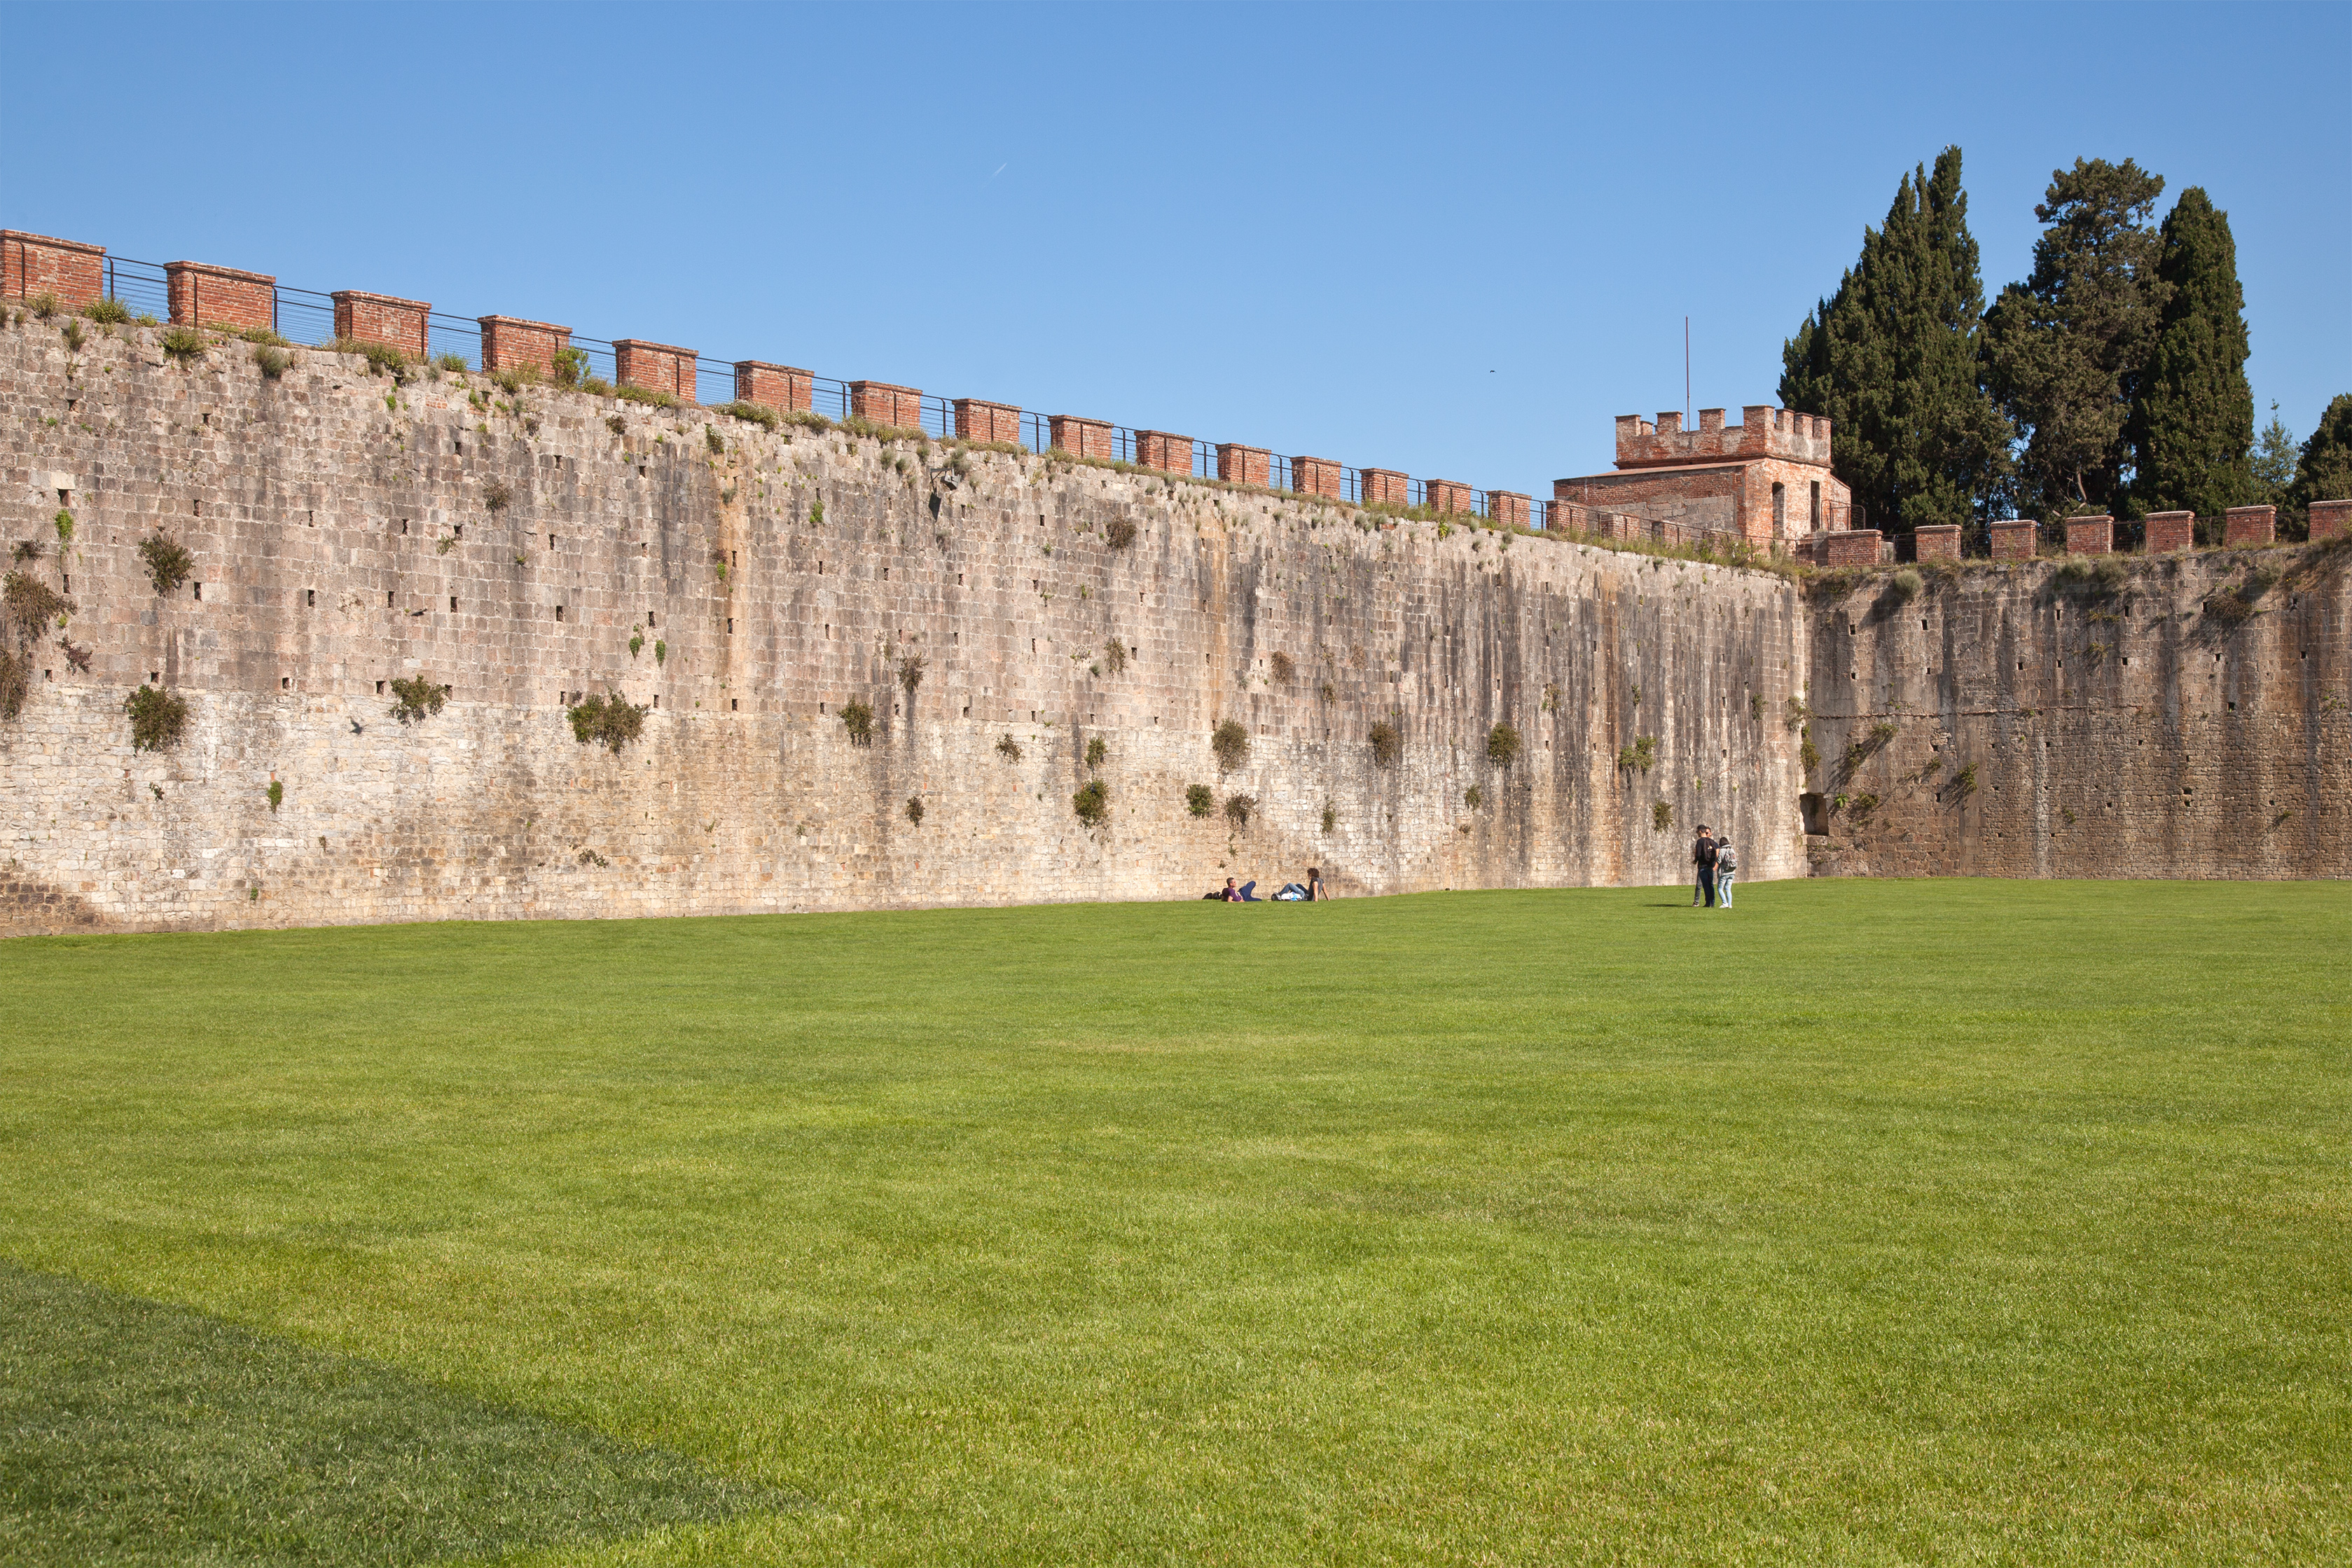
x=1767 y=479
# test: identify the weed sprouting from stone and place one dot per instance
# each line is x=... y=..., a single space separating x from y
x=1092 y=802
x=1009 y=749
x=1503 y=744
x=168 y=563
x=609 y=720
x=915 y=809
x=158 y=718
x=1386 y=743
x=1237 y=811
x=1200 y=800
x=277 y=793
x=1283 y=668
x=1230 y=741
x=1098 y=752
x=418 y=699
x=1640 y=756
x=857 y=722
x=1662 y=816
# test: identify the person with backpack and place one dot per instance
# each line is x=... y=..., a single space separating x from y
x=1703 y=857
x=1726 y=868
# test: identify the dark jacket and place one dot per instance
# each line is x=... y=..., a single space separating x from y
x=1702 y=852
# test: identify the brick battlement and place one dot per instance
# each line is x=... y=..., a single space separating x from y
x=1763 y=432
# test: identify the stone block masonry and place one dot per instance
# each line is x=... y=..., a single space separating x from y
x=2179 y=717
x=401 y=324
x=204 y=296
x=342 y=545
x=37 y=264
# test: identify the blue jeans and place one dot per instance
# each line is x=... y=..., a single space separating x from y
x=1723 y=880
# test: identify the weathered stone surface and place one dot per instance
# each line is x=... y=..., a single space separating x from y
x=2181 y=716
x=344 y=535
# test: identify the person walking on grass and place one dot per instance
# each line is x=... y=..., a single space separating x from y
x=1703 y=857
x=1726 y=868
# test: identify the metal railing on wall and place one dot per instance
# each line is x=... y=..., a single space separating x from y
x=304 y=315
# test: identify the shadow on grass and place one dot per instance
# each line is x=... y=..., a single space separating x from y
x=136 y=1433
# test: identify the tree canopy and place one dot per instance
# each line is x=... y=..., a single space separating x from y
x=2193 y=425
x=2066 y=349
x=1893 y=358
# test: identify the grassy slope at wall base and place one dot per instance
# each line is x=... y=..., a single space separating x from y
x=1866 y=1221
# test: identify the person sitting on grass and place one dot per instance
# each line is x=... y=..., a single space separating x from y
x=1316 y=891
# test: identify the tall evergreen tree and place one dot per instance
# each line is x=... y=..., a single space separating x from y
x=2273 y=463
x=2193 y=424
x=1892 y=358
x=2325 y=472
x=2067 y=348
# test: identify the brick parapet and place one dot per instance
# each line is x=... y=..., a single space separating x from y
x=1244 y=465
x=1447 y=495
x=2016 y=538
x=1508 y=508
x=34 y=264
x=785 y=387
x=1080 y=437
x=1386 y=486
x=2250 y=526
x=513 y=343
x=1936 y=542
x=886 y=402
x=2330 y=519
x=1318 y=477
x=656 y=367
x=203 y=295
x=1159 y=449
x=977 y=420
x=401 y=324
x=2166 y=533
x=2090 y=536
x=1764 y=431
x=1850 y=546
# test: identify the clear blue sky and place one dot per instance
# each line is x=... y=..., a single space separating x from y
x=1453 y=240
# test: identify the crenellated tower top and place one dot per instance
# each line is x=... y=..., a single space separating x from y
x=1764 y=431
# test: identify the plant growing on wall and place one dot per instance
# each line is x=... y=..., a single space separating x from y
x=108 y=313
x=272 y=363
x=1231 y=742
x=1639 y=756
x=1330 y=816
x=910 y=675
x=1092 y=803
x=168 y=564
x=1121 y=533
x=1662 y=816
x=158 y=718
x=1098 y=750
x=661 y=653
x=571 y=364
x=277 y=793
x=636 y=641
x=418 y=699
x=65 y=529
x=1115 y=656
x=182 y=343
x=1200 y=800
x=1283 y=669
x=496 y=497
x=610 y=721
x=915 y=809
x=1009 y=749
x=1808 y=756
x=1474 y=797
x=857 y=719
x=1387 y=744
x=1237 y=811
x=1503 y=744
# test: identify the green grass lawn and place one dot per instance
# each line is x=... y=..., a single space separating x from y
x=1933 y=1222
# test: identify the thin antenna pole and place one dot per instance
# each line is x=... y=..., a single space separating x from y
x=1687 y=385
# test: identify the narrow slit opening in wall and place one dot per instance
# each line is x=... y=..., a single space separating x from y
x=379 y=688
x=285 y=683
x=387 y=598
x=200 y=592
x=310 y=599
x=559 y=613
x=453 y=604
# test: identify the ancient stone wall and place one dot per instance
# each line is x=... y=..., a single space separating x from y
x=2179 y=717
x=743 y=585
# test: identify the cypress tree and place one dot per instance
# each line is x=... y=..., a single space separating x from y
x=1893 y=359
x=2193 y=424
x=2066 y=349
x=2325 y=471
